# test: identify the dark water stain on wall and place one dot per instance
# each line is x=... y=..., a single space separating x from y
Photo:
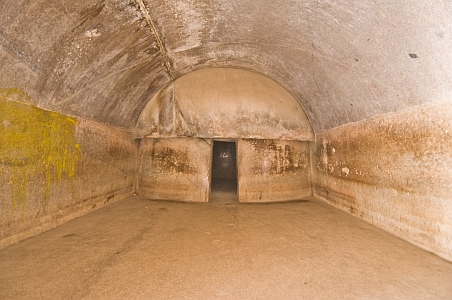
x=276 y=158
x=273 y=170
x=32 y=142
x=172 y=160
x=403 y=152
x=175 y=169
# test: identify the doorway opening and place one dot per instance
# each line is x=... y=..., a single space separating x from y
x=224 y=171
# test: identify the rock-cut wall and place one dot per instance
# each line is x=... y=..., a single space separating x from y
x=175 y=169
x=54 y=168
x=272 y=170
x=394 y=171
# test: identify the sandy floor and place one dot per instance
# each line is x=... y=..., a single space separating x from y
x=142 y=249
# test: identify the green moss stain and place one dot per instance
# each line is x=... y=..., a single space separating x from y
x=32 y=142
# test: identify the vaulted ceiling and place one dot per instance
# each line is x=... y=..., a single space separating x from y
x=344 y=61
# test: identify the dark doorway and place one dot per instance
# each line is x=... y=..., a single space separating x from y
x=224 y=169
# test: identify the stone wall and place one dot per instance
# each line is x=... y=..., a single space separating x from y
x=175 y=169
x=271 y=170
x=180 y=169
x=394 y=171
x=224 y=103
x=178 y=124
x=54 y=168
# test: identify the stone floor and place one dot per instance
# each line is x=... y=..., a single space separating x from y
x=143 y=249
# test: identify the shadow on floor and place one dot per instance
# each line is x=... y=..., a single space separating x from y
x=224 y=191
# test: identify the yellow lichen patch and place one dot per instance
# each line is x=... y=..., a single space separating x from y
x=32 y=142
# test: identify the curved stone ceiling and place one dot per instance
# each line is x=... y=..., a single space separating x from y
x=344 y=61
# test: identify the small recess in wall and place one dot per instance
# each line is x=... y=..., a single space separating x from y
x=413 y=55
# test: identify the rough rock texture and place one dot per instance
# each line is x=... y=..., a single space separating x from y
x=181 y=169
x=343 y=61
x=175 y=169
x=270 y=170
x=224 y=103
x=104 y=173
x=395 y=172
x=96 y=60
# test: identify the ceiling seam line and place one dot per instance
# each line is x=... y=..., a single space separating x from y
x=162 y=50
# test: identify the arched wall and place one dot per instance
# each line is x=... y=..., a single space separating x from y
x=224 y=103
x=178 y=126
